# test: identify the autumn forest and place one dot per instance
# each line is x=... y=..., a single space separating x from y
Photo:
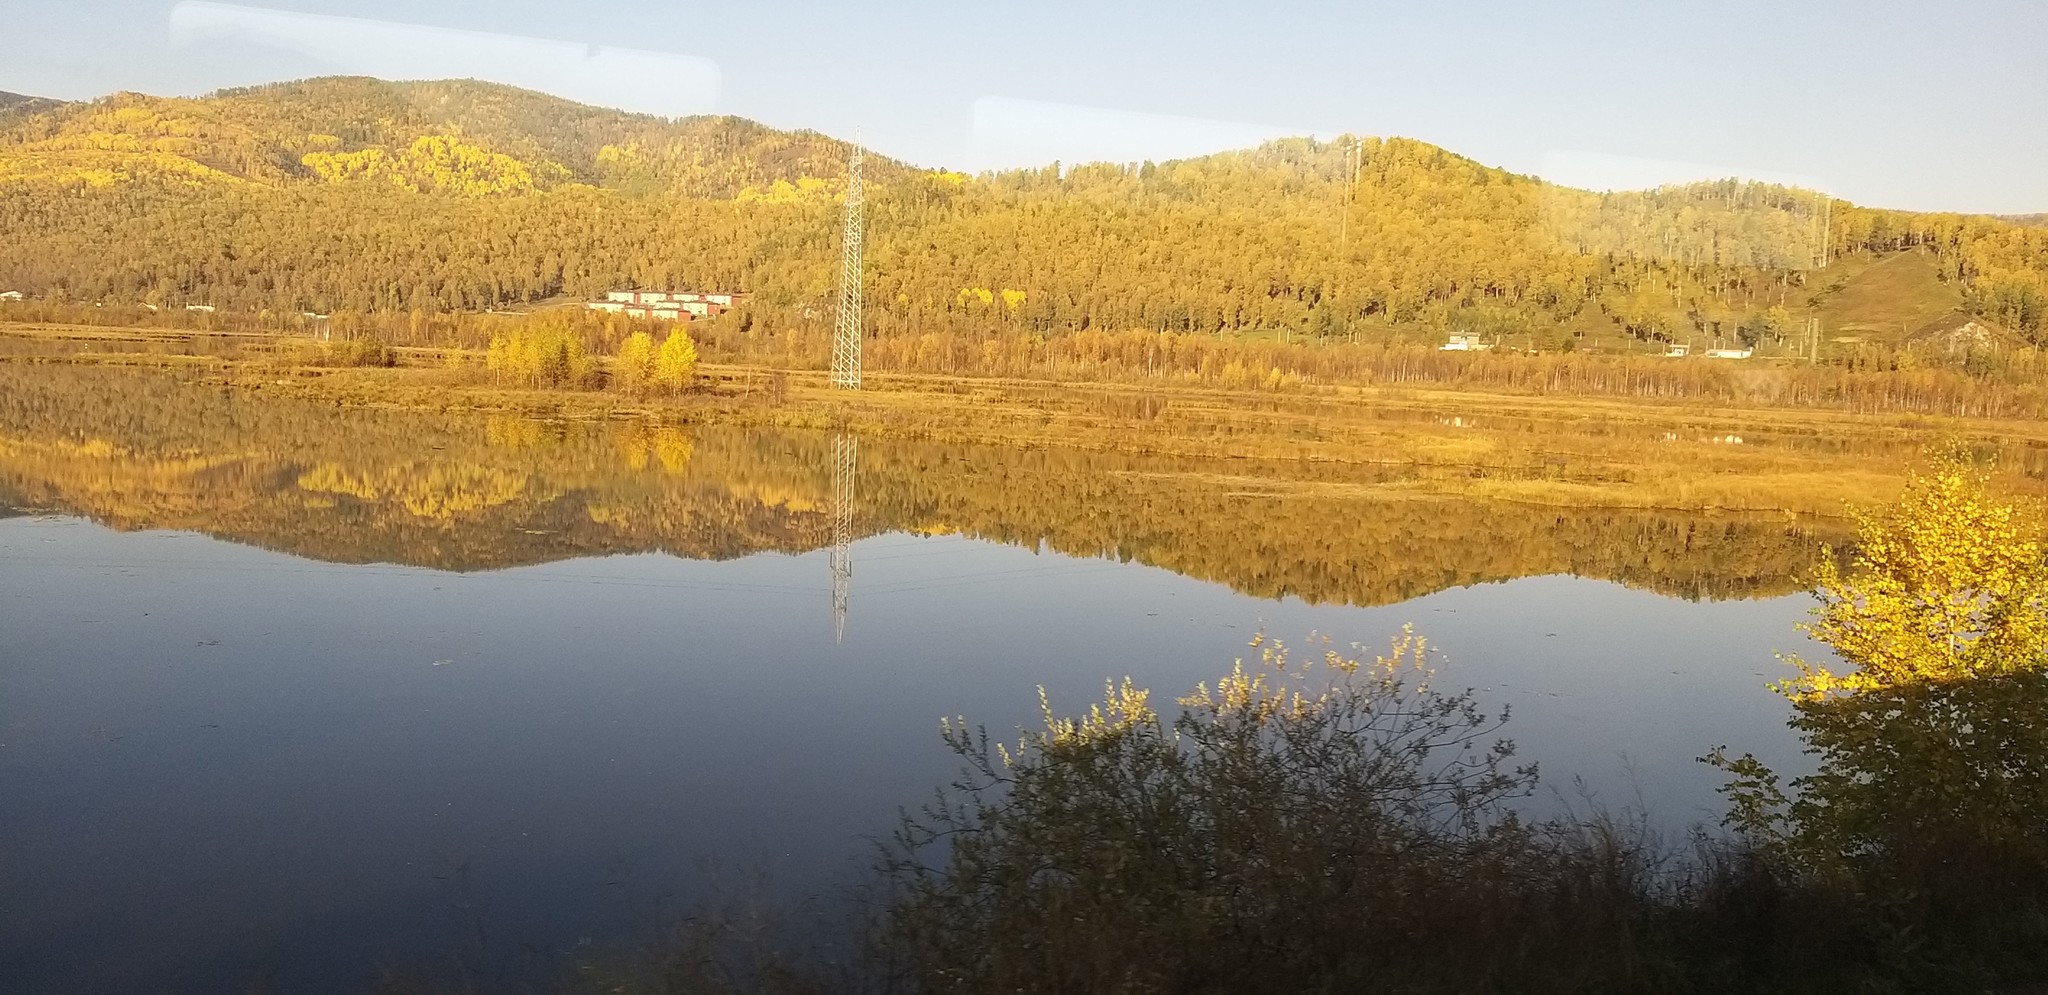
x=350 y=194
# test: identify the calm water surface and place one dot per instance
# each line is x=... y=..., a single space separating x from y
x=221 y=760
x=269 y=709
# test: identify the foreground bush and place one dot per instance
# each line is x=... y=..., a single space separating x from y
x=1335 y=825
x=1926 y=822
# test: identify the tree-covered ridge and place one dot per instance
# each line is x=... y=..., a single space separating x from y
x=266 y=133
x=365 y=194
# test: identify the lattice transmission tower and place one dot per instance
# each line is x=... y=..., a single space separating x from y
x=846 y=337
x=845 y=450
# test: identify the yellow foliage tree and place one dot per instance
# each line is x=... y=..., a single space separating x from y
x=676 y=364
x=1949 y=584
x=547 y=356
x=432 y=163
x=633 y=367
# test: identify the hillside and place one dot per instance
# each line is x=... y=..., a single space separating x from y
x=352 y=193
x=15 y=107
x=1883 y=298
x=315 y=130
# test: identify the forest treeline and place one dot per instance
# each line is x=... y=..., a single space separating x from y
x=351 y=194
x=1864 y=378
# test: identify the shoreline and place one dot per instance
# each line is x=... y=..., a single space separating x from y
x=1527 y=448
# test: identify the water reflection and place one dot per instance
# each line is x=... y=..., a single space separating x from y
x=845 y=451
x=222 y=758
x=466 y=492
x=313 y=747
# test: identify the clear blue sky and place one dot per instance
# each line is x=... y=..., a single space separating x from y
x=1921 y=105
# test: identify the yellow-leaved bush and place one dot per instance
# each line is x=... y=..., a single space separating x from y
x=1950 y=583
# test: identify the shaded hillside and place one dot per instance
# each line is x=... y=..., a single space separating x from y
x=139 y=451
x=350 y=193
x=17 y=107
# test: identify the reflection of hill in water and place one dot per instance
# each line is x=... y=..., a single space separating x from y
x=467 y=492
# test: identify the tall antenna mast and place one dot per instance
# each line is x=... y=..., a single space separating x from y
x=846 y=336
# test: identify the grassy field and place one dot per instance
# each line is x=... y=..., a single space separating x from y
x=1539 y=449
x=1882 y=300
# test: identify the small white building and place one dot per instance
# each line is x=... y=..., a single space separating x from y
x=208 y=308
x=1464 y=342
x=10 y=295
x=664 y=304
x=1728 y=353
x=1678 y=351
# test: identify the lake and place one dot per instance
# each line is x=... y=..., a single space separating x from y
x=290 y=691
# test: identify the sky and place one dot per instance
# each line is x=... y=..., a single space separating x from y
x=1909 y=105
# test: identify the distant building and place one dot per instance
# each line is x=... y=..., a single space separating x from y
x=664 y=305
x=10 y=295
x=1464 y=343
x=208 y=308
x=1678 y=351
x=1729 y=353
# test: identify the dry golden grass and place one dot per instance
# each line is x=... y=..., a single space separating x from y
x=1567 y=451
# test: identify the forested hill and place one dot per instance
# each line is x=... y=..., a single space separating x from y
x=362 y=194
x=486 y=139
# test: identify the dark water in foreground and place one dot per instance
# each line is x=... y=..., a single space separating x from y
x=292 y=691
x=220 y=760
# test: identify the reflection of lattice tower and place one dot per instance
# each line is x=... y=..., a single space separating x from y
x=844 y=450
x=846 y=336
